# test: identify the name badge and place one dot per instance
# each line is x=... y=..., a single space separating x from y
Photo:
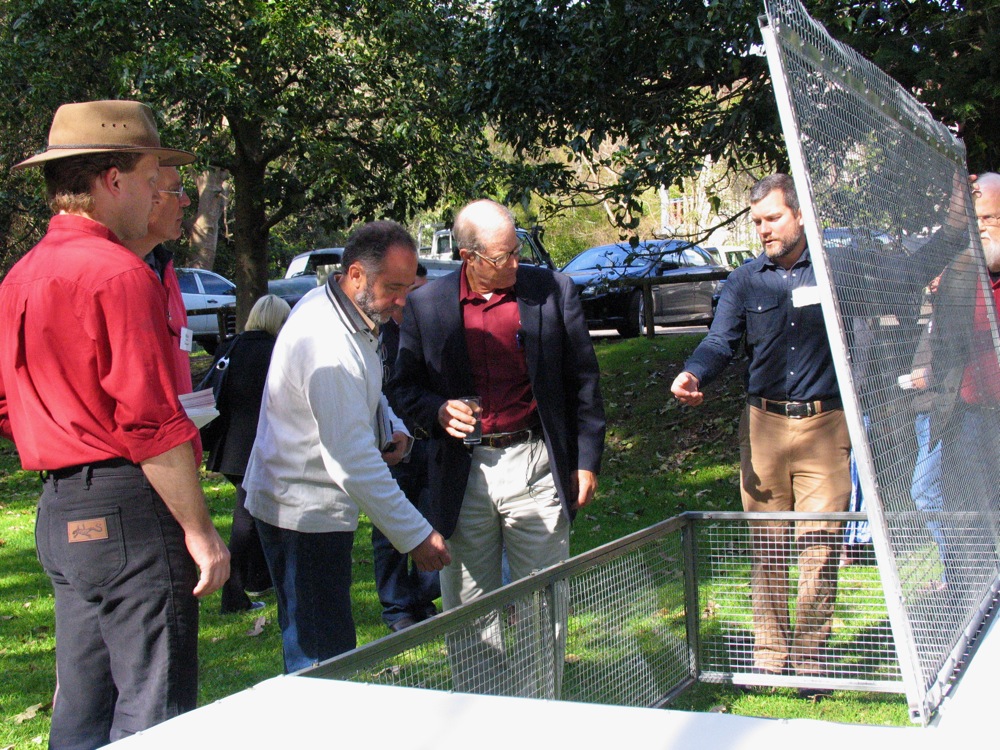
x=804 y=296
x=187 y=338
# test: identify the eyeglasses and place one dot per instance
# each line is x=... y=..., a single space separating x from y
x=989 y=221
x=177 y=193
x=500 y=259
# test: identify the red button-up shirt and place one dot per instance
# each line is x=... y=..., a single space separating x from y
x=86 y=361
x=495 y=342
x=981 y=380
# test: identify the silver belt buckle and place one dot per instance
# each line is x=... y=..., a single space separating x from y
x=798 y=410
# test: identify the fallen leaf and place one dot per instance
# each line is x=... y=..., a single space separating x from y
x=31 y=712
x=258 y=626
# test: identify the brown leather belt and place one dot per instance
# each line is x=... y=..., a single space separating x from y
x=507 y=439
x=795 y=409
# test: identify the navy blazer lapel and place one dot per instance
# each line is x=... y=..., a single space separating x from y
x=530 y=299
x=454 y=352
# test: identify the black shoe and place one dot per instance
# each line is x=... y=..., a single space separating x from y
x=402 y=623
x=429 y=611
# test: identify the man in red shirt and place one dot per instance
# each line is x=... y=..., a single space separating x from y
x=964 y=375
x=165 y=225
x=88 y=393
x=515 y=336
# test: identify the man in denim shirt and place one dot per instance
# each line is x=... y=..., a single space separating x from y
x=794 y=444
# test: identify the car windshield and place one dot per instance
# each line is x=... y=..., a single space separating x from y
x=609 y=256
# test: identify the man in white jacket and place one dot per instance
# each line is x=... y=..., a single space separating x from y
x=316 y=460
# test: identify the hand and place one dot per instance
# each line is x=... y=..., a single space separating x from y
x=919 y=378
x=457 y=418
x=583 y=484
x=212 y=558
x=398 y=450
x=685 y=389
x=431 y=554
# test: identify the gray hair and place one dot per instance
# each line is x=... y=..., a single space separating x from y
x=369 y=243
x=469 y=223
x=777 y=181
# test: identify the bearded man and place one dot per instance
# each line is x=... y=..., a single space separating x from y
x=317 y=462
x=794 y=444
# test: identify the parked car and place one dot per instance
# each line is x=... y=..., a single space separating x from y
x=306 y=271
x=609 y=303
x=730 y=256
x=204 y=290
x=441 y=257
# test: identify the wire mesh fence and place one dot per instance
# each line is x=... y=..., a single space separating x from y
x=911 y=317
x=636 y=621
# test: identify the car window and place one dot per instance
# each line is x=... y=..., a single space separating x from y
x=693 y=258
x=669 y=262
x=604 y=256
x=187 y=282
x=323 y=260
x=216 y=284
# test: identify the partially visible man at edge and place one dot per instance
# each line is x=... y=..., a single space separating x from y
x=88 y=393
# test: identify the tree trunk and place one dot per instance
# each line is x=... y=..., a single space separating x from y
x=204 y=231
x=249 y=238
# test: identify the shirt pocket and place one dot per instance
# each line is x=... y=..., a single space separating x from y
x=764 y=318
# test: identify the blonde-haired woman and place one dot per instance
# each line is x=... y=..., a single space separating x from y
x=229 y=451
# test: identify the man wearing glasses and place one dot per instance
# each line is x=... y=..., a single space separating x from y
x=165 y=226
x=515 y=336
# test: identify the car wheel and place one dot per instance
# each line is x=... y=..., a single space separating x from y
x=634 y=323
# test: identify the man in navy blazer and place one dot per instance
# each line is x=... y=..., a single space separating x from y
x=516 y=337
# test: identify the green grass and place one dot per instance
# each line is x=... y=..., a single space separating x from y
x=661 y=459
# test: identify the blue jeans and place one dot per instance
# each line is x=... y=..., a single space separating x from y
x=403 y=590
x=925 y=488
x=312 y=579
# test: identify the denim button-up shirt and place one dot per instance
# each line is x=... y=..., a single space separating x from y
x=786 y=338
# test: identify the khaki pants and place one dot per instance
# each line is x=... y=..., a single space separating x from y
x=794 y=465
x=510 y=504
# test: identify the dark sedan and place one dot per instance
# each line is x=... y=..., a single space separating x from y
x=609 y=301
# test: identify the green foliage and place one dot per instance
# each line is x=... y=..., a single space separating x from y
x=318 y=109
x=946 y=52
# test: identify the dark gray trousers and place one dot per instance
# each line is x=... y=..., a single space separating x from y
x=126 y=620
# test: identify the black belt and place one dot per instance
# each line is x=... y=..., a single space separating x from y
x=795 y=409
x=507 y=439
x=72 y=471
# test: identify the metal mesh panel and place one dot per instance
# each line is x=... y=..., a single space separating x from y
x=607 y=627
x=888 y=213
x=632 y=624
x=859 y=652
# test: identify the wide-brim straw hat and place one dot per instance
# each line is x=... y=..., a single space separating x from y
x=105 y=126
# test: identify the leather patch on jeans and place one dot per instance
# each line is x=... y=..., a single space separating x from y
x=88 y=530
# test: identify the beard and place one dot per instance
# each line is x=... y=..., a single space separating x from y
x=991 y=249
x=365 y=300
x=784 y=248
